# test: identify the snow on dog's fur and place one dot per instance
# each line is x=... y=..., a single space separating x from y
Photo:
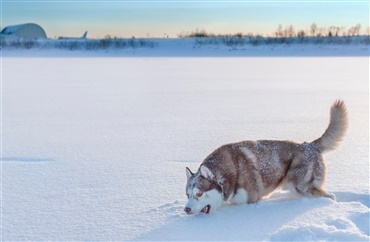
x=245 y=172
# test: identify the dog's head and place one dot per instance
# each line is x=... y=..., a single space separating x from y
x=203 y=191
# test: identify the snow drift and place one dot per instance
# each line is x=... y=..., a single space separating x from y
x=96 y=148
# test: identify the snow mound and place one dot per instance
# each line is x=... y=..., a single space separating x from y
x=280 y=217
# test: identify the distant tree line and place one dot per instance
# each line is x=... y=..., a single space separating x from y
x=287 y=32
x=315 y=31
x=283 y=35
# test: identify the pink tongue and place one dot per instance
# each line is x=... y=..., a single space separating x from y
x=205 y=209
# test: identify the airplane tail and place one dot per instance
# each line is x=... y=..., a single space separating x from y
x=84 y=36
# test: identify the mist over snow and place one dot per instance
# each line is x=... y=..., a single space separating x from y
x=231 y=46
x=96 y=148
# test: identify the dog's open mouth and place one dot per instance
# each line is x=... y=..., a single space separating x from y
x=206 y=209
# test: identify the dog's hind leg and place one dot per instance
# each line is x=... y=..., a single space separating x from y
x=319 y=192
x=310 y=191
x=310 y=188
x=306 y=177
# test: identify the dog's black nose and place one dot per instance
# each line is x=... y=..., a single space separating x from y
x=187 y=210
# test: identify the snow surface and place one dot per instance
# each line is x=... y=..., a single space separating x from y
x=96 y=148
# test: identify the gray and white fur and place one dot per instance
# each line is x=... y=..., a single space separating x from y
x=247 y=171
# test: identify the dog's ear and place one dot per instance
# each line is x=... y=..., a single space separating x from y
x=206 y=173
x=188 y=173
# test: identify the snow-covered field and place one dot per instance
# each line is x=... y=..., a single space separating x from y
x=96 y=148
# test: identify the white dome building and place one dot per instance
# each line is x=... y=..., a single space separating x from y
x=27 y=31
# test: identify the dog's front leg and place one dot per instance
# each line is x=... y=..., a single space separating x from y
x=227 y=187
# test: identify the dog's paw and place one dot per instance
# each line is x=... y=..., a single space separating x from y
x=331 y=196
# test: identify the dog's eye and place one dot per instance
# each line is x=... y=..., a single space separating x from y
x=199 y=194
x=187 y=195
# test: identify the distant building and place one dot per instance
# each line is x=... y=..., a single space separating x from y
x=28 y=30
x=74 y=38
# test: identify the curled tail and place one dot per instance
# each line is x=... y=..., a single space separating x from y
x=337 y=128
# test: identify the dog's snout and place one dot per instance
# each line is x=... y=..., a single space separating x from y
x=187 y=210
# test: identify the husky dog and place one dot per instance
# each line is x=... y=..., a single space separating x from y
x=245 y=172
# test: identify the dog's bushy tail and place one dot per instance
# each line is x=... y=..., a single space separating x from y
x=337 y=128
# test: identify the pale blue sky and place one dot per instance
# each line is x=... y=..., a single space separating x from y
x=154 y=18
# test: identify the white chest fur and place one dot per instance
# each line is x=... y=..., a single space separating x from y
x=240 y=197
